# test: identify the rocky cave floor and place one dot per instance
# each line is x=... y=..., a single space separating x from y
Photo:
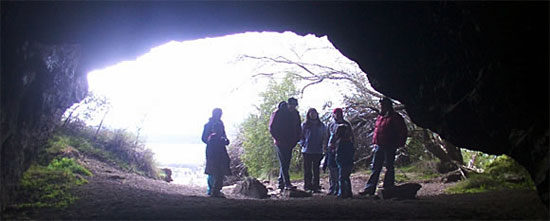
x=113 y=194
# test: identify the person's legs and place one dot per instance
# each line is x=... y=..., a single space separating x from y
x=286 y=175
x=316 y=162
x=210 y=180
x=280 y=156
x=344 y=159
x=285 y=154
x=333 y=181
x=377 y=163
x=389 y=177
x=308 y=159
x=345 y=182
x=218 y=184
x=333 y=173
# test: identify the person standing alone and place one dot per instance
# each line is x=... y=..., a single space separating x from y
x=285 y=128
x=390 y=132
x=217 y=159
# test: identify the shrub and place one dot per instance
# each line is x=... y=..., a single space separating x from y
x=502 y=173
x=116 y=147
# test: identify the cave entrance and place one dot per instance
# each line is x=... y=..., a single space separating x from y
x=165 y=96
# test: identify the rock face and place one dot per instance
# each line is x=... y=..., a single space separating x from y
x=251 y=187
x=39 y=82
x=474 y=72
x=477 y=74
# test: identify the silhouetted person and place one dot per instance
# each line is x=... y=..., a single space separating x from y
x=390 y=132
x=217 y=159
x=313 y=142
x=341 y=141
x=285 y=128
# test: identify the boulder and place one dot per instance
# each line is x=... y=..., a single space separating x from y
x=167 y=174
x=404 y=191
x=251 y=187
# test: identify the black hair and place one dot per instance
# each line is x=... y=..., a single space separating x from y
x=308 y=120
x=293 y=100
x=282 y=105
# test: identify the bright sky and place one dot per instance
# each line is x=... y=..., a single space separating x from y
x=172 y=89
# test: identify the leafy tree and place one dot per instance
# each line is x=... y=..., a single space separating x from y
x=361 y=107
x=259 y=154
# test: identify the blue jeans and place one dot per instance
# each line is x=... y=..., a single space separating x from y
x=333 y=172
x=215 y=184
x=284 y=154
x=344 y=159
x=382 y=154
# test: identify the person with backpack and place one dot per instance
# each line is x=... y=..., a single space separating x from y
x=313 y=142
x=285 y=127
x=217 y=159
x=341 y=142
x=390 y=132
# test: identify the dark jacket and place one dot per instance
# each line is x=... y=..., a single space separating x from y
x=208 y=129
x=217 y=159
x=340 y=132
x=284 y=126
x=390 y=130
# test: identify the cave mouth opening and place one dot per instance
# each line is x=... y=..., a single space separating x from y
x=167 y=94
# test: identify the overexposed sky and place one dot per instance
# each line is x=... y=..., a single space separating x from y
x=172 y=89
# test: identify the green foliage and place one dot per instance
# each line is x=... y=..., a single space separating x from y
x=259 y=153
x=47 y=186
x=116 y=147
x=68 y=165
x=503 y=173
x=481 y=160
x=420 y=170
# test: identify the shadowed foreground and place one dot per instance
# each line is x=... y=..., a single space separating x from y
x=112 y=194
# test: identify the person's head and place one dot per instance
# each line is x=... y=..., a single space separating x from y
x=282 y=105
x=312 y=116
x=338 y=114
x=217 y=113
x=386 y=105
x=292 y=103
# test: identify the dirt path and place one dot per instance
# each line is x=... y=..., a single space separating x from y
x=112 y=194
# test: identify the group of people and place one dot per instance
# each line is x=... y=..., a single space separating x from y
x=333 y=142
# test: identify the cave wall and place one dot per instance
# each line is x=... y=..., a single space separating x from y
x=39 y=82
x=470 y=71
x=477 y=74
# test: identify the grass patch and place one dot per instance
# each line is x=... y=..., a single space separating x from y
x=47 y=186
x=503 y=173
x=421 y=170
x=296 y=175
